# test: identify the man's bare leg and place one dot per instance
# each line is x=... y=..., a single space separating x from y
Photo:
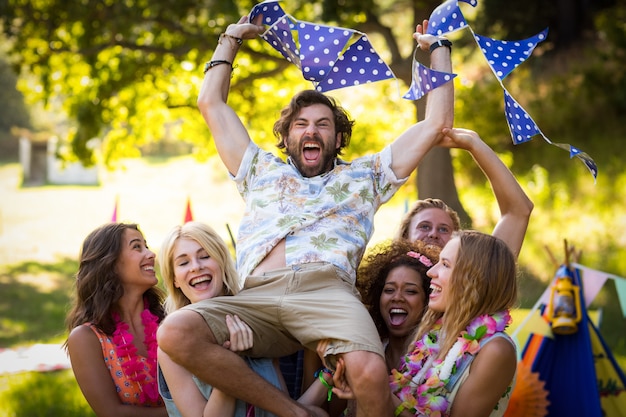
x=366 y=373
x=186 y=338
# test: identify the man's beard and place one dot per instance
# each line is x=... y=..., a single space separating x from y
x=325 y=160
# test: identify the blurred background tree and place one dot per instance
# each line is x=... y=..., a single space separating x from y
x=14 y=113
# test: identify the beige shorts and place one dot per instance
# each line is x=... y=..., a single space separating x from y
x=293 y=307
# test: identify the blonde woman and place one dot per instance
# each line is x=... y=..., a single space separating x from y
x=196 y=265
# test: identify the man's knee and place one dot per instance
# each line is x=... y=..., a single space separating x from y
x=181 y=330
x=365 y=369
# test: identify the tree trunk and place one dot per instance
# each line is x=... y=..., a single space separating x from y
x=435 y=177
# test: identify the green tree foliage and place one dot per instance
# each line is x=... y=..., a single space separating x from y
x=120 y=69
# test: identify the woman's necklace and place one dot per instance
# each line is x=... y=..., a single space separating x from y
x=133 y=368
x=421 y=384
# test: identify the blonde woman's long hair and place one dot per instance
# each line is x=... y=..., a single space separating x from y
x=483 y=281
x=211 y=242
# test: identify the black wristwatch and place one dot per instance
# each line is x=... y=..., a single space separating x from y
x=440 y=42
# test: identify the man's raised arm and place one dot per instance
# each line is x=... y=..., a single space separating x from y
x=411 y=146
x=230 y=136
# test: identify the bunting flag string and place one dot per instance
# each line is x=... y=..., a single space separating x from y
x=335 y=57
x=593 y=280
x=503 y=57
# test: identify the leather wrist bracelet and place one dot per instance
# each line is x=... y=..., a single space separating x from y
x=211 y=64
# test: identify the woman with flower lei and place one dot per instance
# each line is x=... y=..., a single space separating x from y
x=473 y=286
x=113 y=323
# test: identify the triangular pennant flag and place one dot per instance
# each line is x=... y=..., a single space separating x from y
x=447 y=18
x=504 y=56
x=270 y=10
x=114 y=216
x=320 y=46
x=584 y=157
x=359 y=64
x=538 y=325
x=521 y=125
x=425 y=80
x=279 y=36
x=593 y=281
x=188 y=215
x=620 y=286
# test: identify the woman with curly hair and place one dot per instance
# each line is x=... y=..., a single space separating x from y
x=113 y=322
x=394 y=287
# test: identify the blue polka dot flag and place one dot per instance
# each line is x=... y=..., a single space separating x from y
x=320 y=46
x=504 y=56
x=280 y=37
x=270 y=10
x=447 y=18
x=330 y=57
x=425 y=80
x=584 y=157
x=359 y=64
x=521 y=125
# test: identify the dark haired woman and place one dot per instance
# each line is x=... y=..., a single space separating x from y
x=113 y=322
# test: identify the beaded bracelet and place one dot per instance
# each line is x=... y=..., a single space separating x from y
x=239 y=41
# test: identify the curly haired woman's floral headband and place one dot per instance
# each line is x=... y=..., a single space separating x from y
x=423 y=259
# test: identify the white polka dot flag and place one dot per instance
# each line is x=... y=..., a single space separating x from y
x=425 y=80
x=504 y=56
x=447 y=18
x=330 y=57
x=334 y=57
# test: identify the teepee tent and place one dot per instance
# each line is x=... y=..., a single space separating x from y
x=573 y=372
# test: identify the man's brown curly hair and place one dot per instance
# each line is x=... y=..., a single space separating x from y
x=306 y=98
